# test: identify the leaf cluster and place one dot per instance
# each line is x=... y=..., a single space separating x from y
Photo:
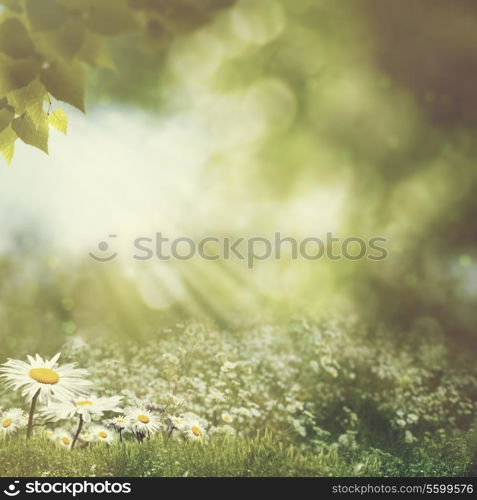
x=46 y=47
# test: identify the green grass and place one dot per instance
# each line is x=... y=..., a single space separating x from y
x=261 y=456
x=229 y=457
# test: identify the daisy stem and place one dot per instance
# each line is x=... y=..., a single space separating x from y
x=32 y=411
x=78 y=430
x=169 y=433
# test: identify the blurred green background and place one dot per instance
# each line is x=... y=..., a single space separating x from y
x=300 y=117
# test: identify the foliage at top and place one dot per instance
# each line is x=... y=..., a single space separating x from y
x=46 y=46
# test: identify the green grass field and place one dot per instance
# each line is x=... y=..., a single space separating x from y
x=223 y=458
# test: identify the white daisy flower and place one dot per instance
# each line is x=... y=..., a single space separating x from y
x=12 y=420
x=228 y=366
x=143 y=420
x=119 y=423
x=65 y=441
x=102 y=434
x=44 y=379
x=49 y=434
x=177 y=422
x=244 y=412
x=216 y=396
x=255 y=412
x=62 y=438
x=227 y=418
x=88 y=407
x=193 y=430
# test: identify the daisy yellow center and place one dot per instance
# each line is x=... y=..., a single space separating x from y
x=196 y=430
x=7 y=423
x=83 y=403
x=65 y=440
x=143 y=419
x=102 y=434
x=120 y=421
x=44 y=376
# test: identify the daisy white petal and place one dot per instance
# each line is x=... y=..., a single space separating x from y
x=88 y=407
x=43 y=377
x=12 y=420
x=142 y=420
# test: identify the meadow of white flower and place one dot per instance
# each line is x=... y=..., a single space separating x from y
x=322 y=386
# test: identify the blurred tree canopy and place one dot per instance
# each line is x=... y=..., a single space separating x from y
x=44 y=45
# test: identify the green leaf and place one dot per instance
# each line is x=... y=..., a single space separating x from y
x=59 y=120
x=16 y=73
x=64 y=42
x=6 y=116
x=29 y=134
x=7 y=143
x=95 y=53
x=65 y=82
x=35 y=111
x=45 y=15
x=15 y=40
x=111 y=17
x=28 y=99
